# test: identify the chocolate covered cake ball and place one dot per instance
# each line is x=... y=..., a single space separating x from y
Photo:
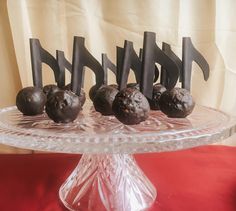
x=31 y=101
x=176 y=103
x=133 y=85
x=104 y=98
x=82 y=96
x=158 y=89
x=63 y=107
x=50 y=89
x=95 y=88
x=130 y=106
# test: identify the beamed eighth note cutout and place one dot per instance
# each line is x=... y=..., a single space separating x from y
x=153 y=54
x=164 y=78
x=190 y=54
x=130 y=61
x=81 y=58
x=38 y=56
x=107 y=64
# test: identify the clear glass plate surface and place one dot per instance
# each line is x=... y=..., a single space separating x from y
x=94 y=133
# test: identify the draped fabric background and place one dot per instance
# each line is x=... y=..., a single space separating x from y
x=107 y=23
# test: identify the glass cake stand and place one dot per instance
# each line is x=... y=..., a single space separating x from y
x=107 y=176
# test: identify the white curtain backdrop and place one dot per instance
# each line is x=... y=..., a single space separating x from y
x=107 y=23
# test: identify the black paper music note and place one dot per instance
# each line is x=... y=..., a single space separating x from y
x=164 y=77
x=130 y=61
x=152 y=54
x=81 y=58
x=38 y=56
x=190 y=54
x=156 y=75
x=107 y=64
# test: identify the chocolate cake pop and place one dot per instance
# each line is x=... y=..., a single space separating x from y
x=50 y=89
x=176 y=103
x=158 y=89
x=104 y=98
x=82 y=96
x=93 y=91
x=31 y=101
x=130 y=106
x=133 y=85
x=63 y=107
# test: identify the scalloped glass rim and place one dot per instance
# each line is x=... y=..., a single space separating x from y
x=94 y=133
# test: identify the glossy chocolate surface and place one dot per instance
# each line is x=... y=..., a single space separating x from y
x=82 y=96
x=50 y=89
x=130 y=106
x=176 y=103
x=104 y=98
x=158 y=89
x=63 y=106
x=31 y=101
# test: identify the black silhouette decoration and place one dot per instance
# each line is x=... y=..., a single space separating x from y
x=164 y=77
x=130 y=60
x=63 y=62
x=143 y=65
x=107 y=64
x=190 y=54
x=81 y=58
x=38 y=56
x=152 y=54
x=156 y=75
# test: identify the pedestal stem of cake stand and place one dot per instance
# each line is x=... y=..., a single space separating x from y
x=107 y=182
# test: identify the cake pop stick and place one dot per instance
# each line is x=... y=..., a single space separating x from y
x=190 y=54
x=38 y=56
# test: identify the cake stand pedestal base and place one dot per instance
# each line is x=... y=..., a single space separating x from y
x=107 y=182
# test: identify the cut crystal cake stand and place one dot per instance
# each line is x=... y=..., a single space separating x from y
x=107 y=176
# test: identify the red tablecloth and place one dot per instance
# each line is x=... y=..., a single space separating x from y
x=199 y=179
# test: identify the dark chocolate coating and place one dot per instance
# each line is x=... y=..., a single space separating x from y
x=130 y=106
x=176 y=103
x=82 y=96
x=31 y=101
x=50 y=89
x=158 y=89
x=63 y=107
x=133 y=85
x=104 y=98
x=95 y=88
